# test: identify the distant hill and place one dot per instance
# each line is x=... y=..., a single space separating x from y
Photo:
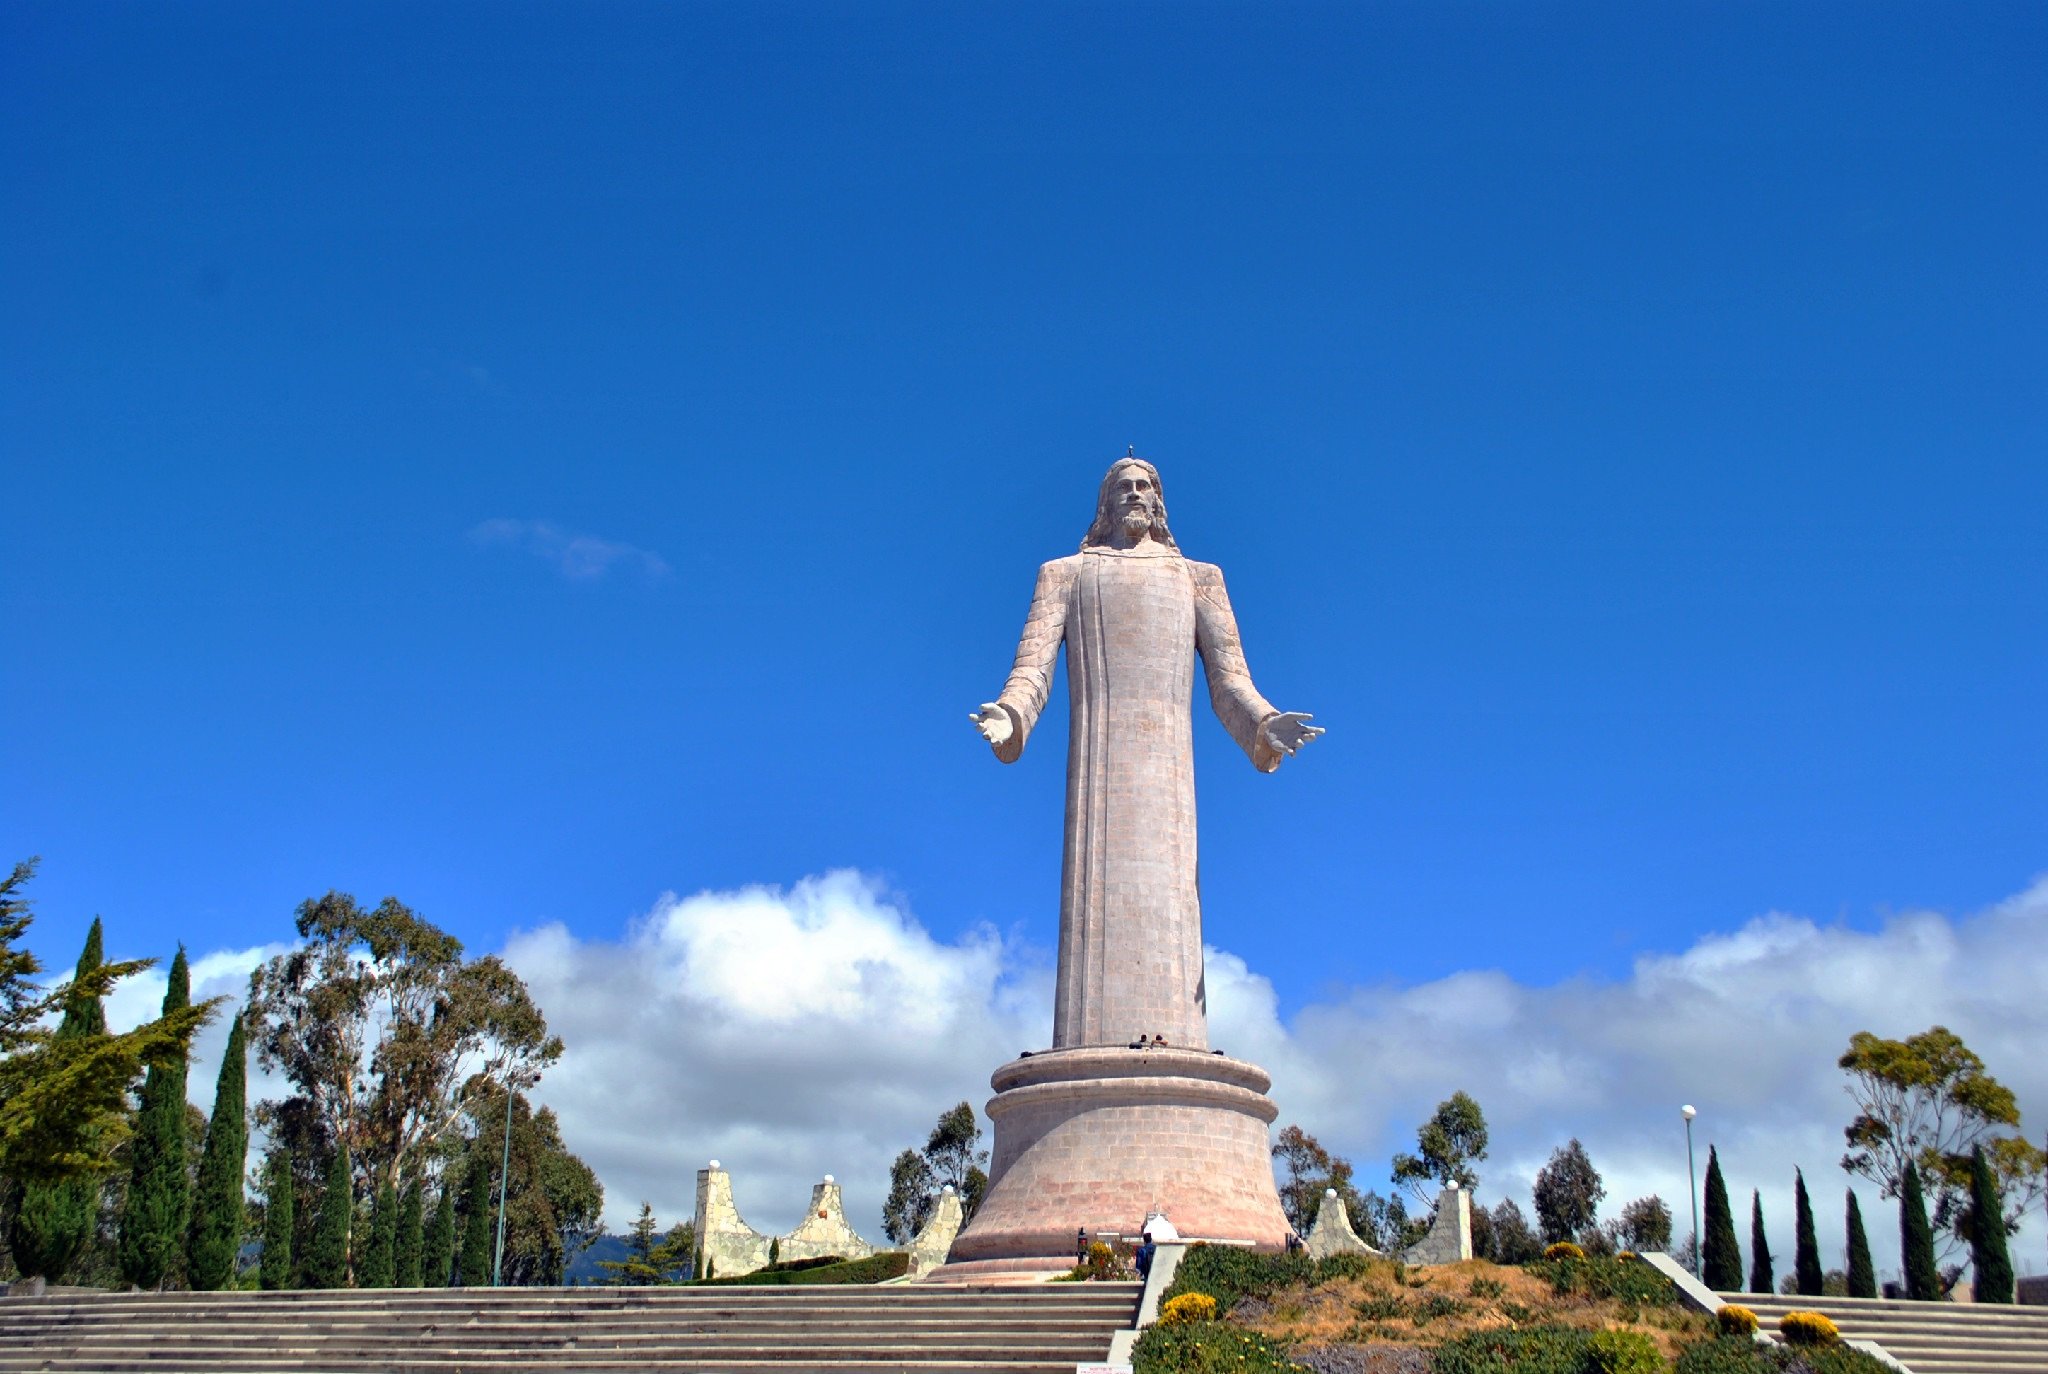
x=583 y=1268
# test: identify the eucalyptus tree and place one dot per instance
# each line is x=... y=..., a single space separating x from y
x=385 y=1031
x=1928 y=1102
x=1447 y=1146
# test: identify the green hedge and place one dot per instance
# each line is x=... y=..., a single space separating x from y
x=1538 y=1350
x=1227 y=1273
x=1207 y=1348
x=1741 y=1355
x=890 y=1264
x=1626 y=1280
x=1548 y=1350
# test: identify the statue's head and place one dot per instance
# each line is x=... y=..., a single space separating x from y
x=1130 y=506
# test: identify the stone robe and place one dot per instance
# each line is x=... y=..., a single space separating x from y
x=1130 y=954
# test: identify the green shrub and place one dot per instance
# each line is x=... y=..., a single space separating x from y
x=1624 y=1280
x=1207 y=1348
x=1380 y=1307
x=1623 y=1352
x=1725 y=1355
x=1227 y=1273
x=1489 y=1288
x=1831 y=1359
x=1347 y=1266
x=1435 y=1306
x=797 y=1266
x=1538 y=1350
x=889 y=1264
x=1742 y=1355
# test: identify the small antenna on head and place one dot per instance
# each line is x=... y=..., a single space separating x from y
x=1130 y=450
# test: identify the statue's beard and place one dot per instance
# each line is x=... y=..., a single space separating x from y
x=1137 y=522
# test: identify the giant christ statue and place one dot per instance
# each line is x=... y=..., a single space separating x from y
x=1128 y=1113
x=1133 y=614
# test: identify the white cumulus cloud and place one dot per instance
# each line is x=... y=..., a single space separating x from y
x=820 y=1028
x=789 y=1033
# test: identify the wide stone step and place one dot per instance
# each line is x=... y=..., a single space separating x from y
x=799 y=1352
x=1021 y=1327
x=597 y=1299
x=1928 y=1337
x=244 y=1364
x=988 y=1329
x=13 y=1314
x=21 y=1312
x=1881 y=1307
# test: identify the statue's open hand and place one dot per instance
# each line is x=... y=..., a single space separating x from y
x=1290 y=730
x=994 y=723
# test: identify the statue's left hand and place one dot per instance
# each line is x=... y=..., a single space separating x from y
x=1289 y=731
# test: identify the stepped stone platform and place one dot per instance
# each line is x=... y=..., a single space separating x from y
x=958 y=1329
x=1926 y=1337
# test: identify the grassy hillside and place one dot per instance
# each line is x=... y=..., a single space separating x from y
x=1234 y=1312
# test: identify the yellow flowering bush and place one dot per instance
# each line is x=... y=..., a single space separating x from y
x=1188 y=1307
x=1563 y=1249
x=1736 y=1321
x=1807 y=1328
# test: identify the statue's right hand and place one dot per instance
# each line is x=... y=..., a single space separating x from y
x=994 y=723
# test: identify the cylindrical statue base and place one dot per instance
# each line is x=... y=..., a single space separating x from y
x=1096 y=1139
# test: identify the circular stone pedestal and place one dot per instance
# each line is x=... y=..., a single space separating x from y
x=1097 y=1138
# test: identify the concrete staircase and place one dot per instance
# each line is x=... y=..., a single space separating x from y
x=1927 y=1337
x=966 y=1329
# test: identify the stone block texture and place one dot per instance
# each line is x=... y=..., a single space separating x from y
x=1450 y=1230
x=1332 y=1233
x=727 y=1245
x=1096 y=1139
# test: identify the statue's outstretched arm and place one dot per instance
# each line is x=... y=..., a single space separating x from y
x=1266 y=735
x=1006 y=722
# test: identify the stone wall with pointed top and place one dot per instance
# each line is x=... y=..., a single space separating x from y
x=1450 y=1230
x=1332 y=1234
x=1448 y=1240
x=726 y=1245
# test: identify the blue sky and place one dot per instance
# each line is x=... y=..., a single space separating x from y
x=1623 y=427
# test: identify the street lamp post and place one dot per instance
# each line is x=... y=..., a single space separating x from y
x=504 y=1177
x=1692 y=1175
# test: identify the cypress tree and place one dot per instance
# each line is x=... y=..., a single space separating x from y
x=51 y=1222
x=279 y=1270
x=380 y=1254
x=1760 y=1270
x=1916 y=1240
x=327 y=1265
x=476 y=1233
x=1988 y=1253
x=438 y=1249
x=405 y=1268
x=1806 y=1270
x=1862 y=1273
x=1720 y=1257
x=216 y=1238
x=152 y=1229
